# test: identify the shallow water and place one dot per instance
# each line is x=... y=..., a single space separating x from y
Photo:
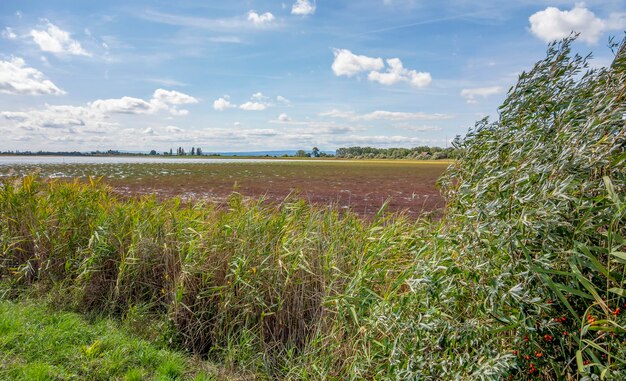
x=42 y=160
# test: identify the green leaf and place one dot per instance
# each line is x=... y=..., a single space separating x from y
x=579 y=361
x=618 y=291
x=619 y=254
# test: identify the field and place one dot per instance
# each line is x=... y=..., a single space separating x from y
x=361 y=186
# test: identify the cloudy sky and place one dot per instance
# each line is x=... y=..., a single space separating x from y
x=260 y=75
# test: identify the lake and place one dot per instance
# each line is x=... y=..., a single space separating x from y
x=42 y=160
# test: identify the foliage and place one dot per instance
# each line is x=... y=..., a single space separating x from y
x=537 y=200
x=422 y=152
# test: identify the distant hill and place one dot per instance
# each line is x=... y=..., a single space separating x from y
x=262 y=153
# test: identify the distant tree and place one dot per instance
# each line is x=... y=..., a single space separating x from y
x=153 y=152
x=300 y=153
x=170 y=152
x=199 y=151
x=315 y=152
x=193 y=151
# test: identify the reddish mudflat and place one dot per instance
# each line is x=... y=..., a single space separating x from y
x=362 y=186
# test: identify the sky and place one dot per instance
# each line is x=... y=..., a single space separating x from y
x=272 y=75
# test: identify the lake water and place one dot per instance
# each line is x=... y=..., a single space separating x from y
x=42 y=160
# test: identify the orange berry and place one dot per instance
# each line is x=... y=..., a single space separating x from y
x=547 y=337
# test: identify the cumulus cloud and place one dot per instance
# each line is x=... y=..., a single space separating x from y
x=9 y=34
x=555 y=24
x=259 y=97
x=173 y=129
x=17 y=78
x=349 y=64
x=471 y=94
x=252 y=106
x=258 y=102
x=385 y=115
x=223 y=103
x=173 y=97
x=57 y=41
x=282 y=99
x=397 y=73
x=283 y=118
x=124 y=105
x=161 y=100
x=57 y=117
x=303 y=8
x=94 y=122
x=260 y=19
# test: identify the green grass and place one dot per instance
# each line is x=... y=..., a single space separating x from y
x=39 y=343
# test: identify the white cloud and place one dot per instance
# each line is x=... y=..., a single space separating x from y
x=303 y=8
x=383 y=140
x=338 y=114
x=178 y=112
x=226 y=39
x=161 y=100
x=555 y=24
x=124 y=105
x=237 y=124
x=58 y=41
x=419 y=128
x=9 y=34
x=252 y=106
x=386 y=115
x=173 y=97
x=397 y=73
x=223 y=103
x=260 y=19
x=349 y=64
x=17 y=78
x=393 y=115
x=259 y=97
x=471 y=94
x=616 y=21
x=282 y=99
x=173 y=129
x=149 y=131
x=283 y=118
x=58 y=117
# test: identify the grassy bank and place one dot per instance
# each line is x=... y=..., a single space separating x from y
x=37 y=343
x=523 y=278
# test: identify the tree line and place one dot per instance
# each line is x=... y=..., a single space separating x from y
x=421 y=152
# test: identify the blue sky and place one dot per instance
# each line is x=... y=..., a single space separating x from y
x=260 y=75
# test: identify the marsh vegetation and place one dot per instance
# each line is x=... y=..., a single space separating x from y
x=522 y=278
